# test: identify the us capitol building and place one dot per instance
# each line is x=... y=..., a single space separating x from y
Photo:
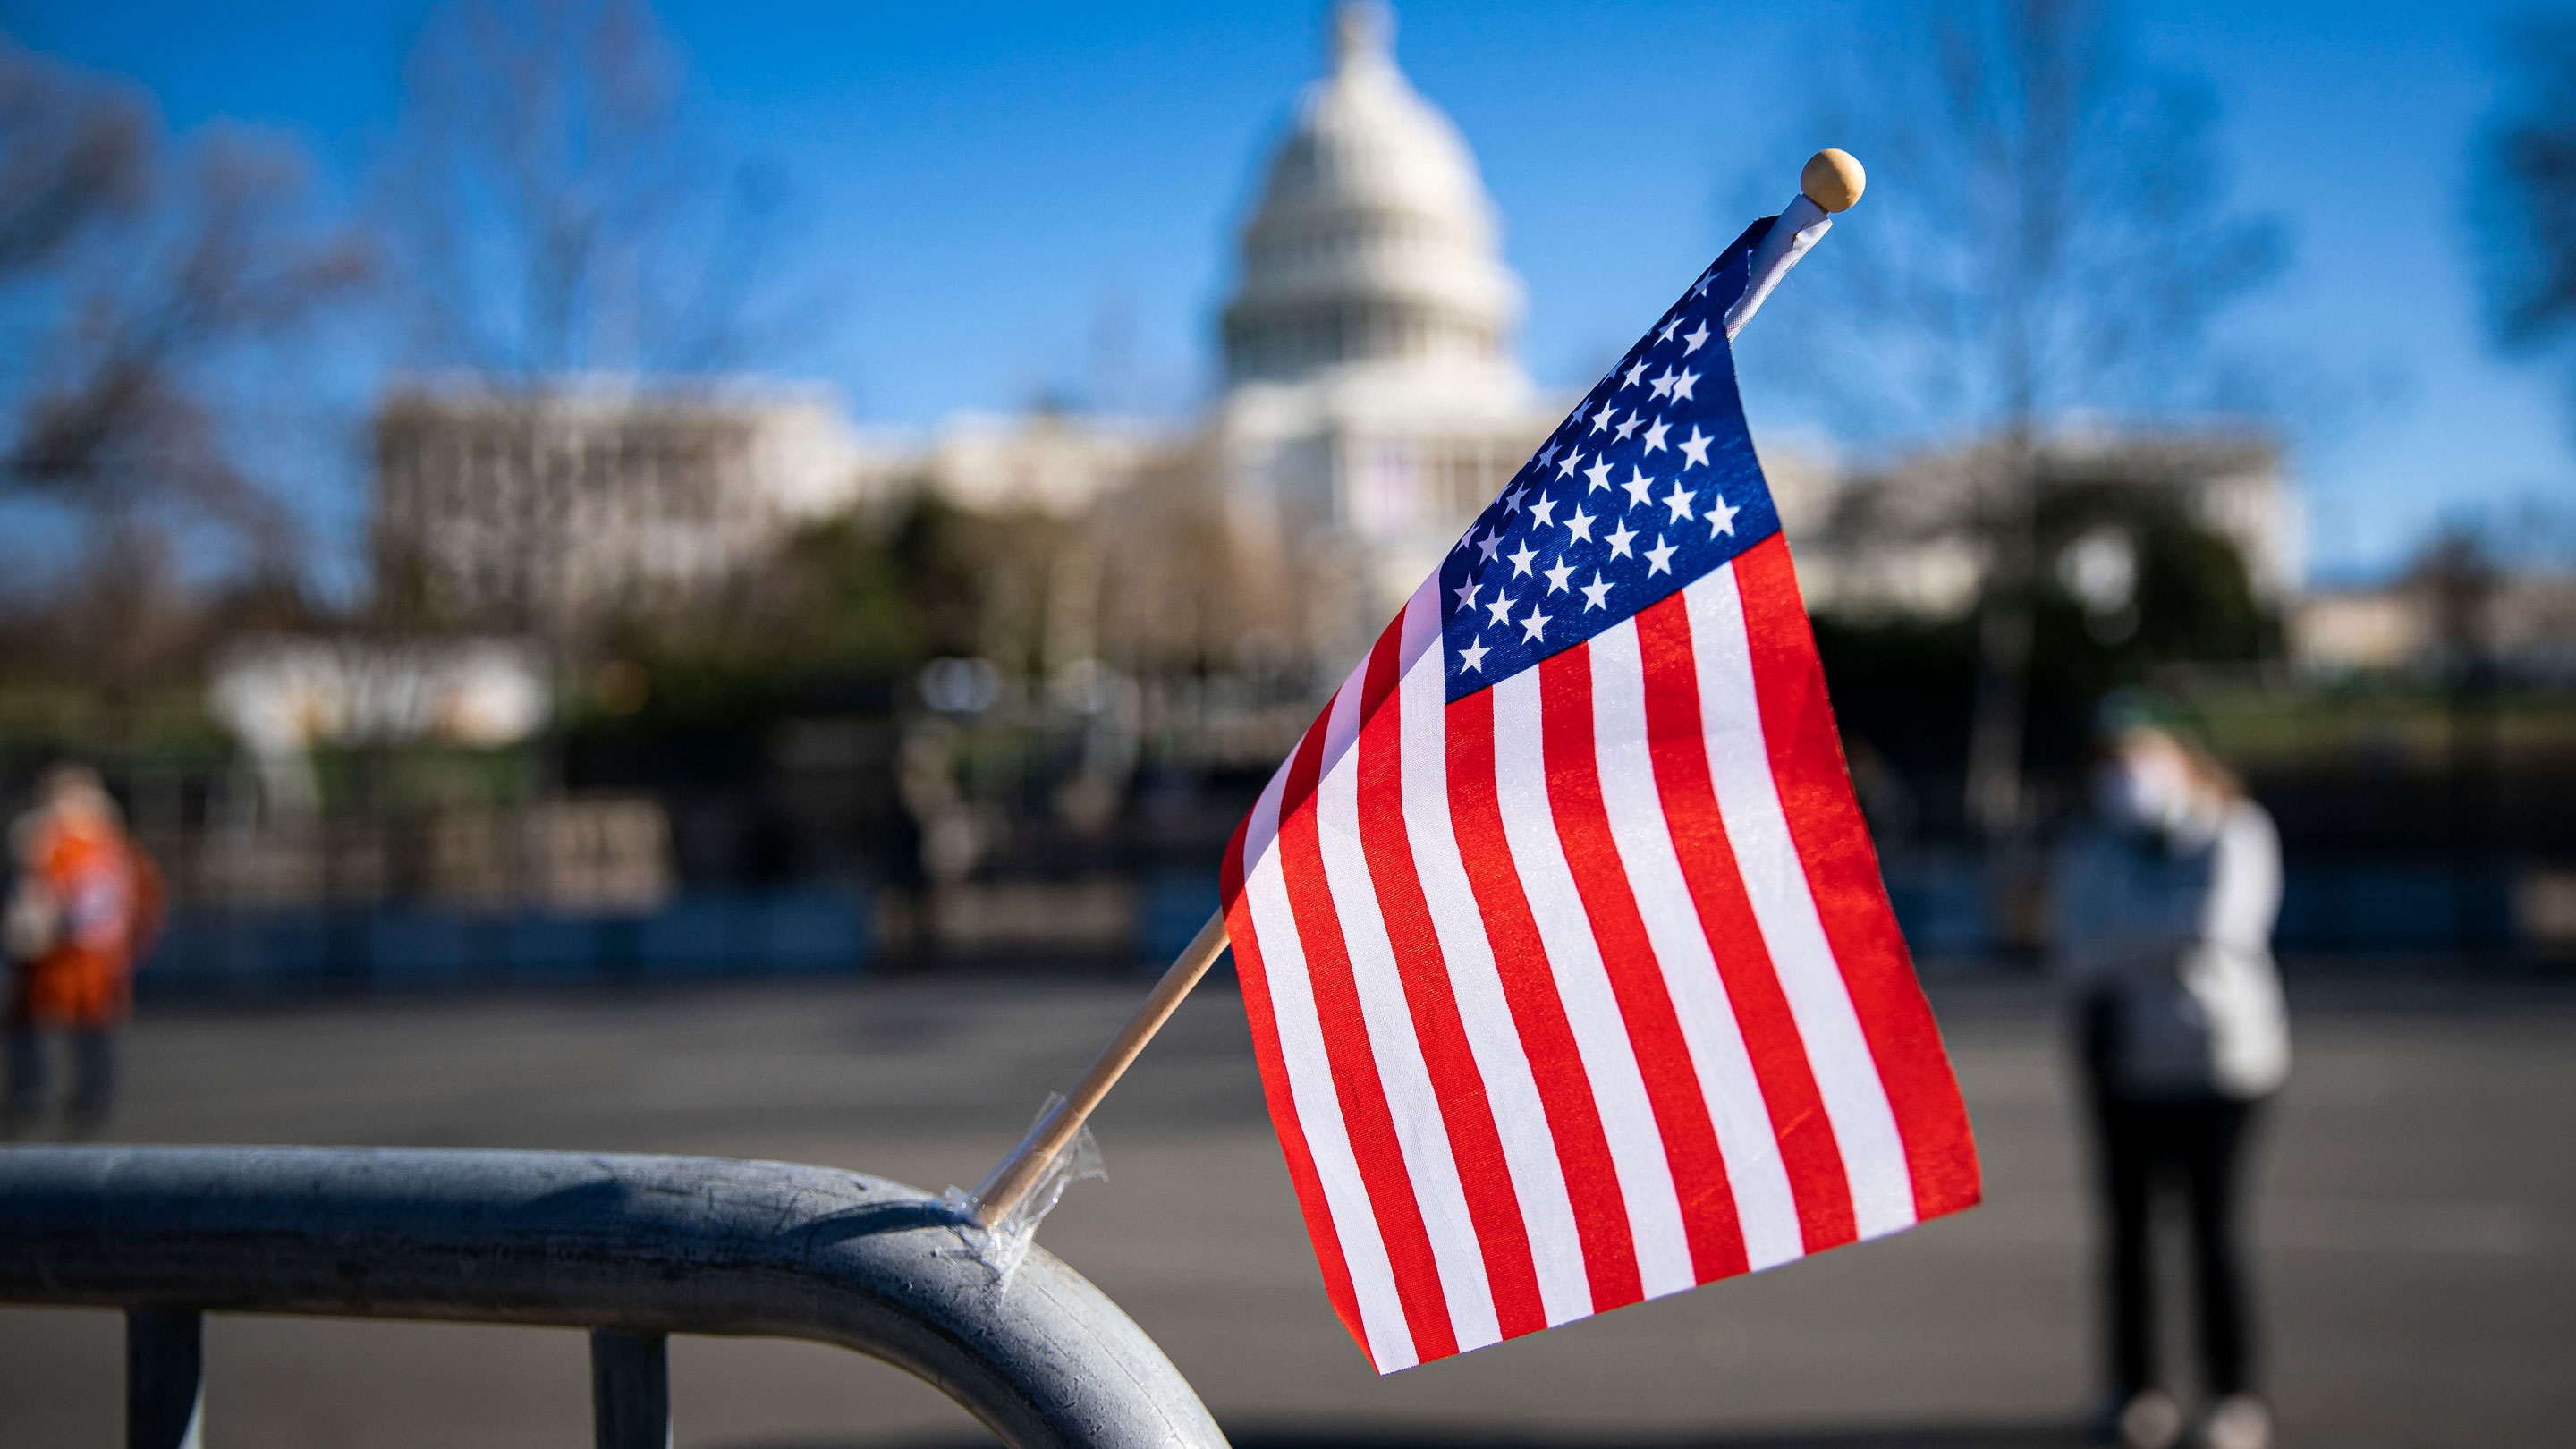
x=1373 y=401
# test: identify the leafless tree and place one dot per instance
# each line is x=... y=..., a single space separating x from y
x=551 y=209
x=142 y=269
x=117 y=421
x=2527 y=193
x=73 y=153
x=2048 y=233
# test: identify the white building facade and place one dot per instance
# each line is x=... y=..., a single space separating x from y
x=549 y=511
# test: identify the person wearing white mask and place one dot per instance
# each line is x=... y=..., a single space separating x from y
x=2163 y=937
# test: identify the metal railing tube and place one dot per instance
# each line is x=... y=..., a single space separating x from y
x=165 y=1392
x=630 y=1389
x=643 y=1245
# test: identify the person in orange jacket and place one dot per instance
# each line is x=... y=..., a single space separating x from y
x=86 y=904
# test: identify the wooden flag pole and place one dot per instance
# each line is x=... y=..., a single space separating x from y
x=1009 y=1183
x=1831 y=182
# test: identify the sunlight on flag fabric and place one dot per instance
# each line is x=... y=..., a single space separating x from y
x=1570 y=971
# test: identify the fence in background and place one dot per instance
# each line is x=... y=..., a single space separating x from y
x=1958 y=909
x=805 y=872
x=1959 y=914
x=1107 y=923
x=217 y=951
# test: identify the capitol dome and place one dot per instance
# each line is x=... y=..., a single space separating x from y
x=1374 y=242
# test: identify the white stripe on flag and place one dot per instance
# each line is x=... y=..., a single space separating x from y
x=1342 y=725
x=1775 y=880
x=1319 y=1108
x=1420 y=1129
x=1583 y=984
x=1529 y=1147
x=1766 y=1208
x=1263 y=828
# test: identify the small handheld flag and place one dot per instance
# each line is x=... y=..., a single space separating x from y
x=1571 y=976
x=1570 y=970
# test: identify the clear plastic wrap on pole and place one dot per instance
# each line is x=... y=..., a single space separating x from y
x=1005 y=1242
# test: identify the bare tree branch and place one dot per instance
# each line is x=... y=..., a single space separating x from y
x=115 y=421
x=552 y=210
x=150 y=288
x=2048 y=227
x=2527 y=193
x=2048 y=234
x=74 y=152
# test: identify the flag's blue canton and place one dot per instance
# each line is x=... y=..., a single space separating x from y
x=1650 y=483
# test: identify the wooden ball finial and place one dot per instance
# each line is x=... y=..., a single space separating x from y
x=1833 y=179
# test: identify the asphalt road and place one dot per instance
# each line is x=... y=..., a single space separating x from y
x=2417 y=1216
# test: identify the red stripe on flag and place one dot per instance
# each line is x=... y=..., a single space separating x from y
x=1305 y=764
x=1556 y=1065
x=1842 y=874
x=1680 y=750
x=1474 y=1142
x=1365 y=1115
x=1385 y=668
x=1283 y=1102
x=1663 y=1053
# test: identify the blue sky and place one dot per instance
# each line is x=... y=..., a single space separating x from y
x=982 y=186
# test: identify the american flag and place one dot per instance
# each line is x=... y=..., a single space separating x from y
x=1570 y=971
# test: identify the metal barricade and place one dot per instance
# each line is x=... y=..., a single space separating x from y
x=631 y=1248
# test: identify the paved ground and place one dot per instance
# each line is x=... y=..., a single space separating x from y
x=2418 y=1217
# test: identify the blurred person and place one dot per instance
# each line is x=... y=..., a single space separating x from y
x=2165 y=904
x=85 y=905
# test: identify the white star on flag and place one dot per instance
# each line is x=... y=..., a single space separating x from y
x=1721 y=516
x=1695 y=449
